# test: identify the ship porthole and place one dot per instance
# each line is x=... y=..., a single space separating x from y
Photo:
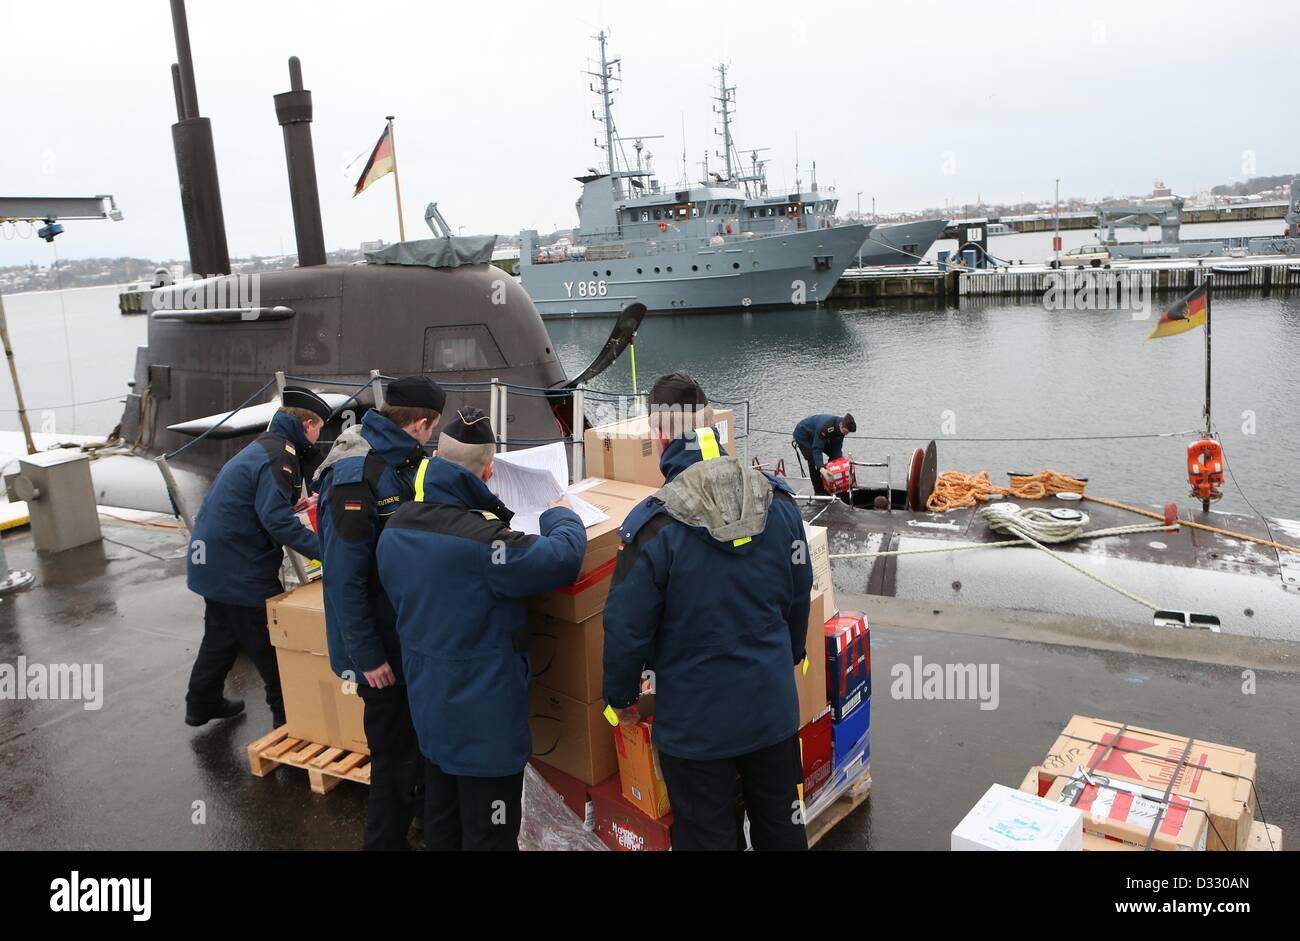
x=695 y=267
x=735 y=264
x=609 y=274
x=656 y=271
x=638 y=271
x=670 y=269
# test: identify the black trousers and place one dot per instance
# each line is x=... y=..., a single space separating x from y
x=395 y=767
x=703 y=797
x=465 y=813
x=228 y=629
x=818 y=486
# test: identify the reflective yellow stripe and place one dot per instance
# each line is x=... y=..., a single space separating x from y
x=709 y=450
x=805 y=666
x=708 y=443
x=419 y=481
x=611 y=716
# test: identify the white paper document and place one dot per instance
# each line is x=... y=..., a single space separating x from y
x=527 y=481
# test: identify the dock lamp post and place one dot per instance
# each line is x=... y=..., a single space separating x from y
x=1056 y=235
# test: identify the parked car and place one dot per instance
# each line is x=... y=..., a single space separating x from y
x=1088 y=255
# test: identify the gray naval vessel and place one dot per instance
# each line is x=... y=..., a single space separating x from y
x=1170 y=219
x=766 y=212
x=673 y=250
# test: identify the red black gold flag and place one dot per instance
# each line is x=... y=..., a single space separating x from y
x=381 y=161
x=1187 y=314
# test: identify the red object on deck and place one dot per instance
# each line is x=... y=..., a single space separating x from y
x=311 y=517
x=841 y=474
x=1171 y=514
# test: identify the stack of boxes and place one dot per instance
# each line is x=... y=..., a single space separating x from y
x=1138 y=788
x=567 y=644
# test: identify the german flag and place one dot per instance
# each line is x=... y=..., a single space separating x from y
x=381 y=161
x=1187 y=314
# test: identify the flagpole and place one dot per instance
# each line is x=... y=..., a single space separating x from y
x=1209 y=306
x=397 y=186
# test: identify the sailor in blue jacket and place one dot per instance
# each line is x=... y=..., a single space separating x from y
x=459 y=578
x=370 y=471
x=710 y=594
x=236 y=551
x=820 y=438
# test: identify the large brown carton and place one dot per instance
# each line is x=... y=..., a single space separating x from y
x=318 y=706
x=627 y=450
x=571 y=735
x=810 y=676
x=567 y=657
x=586 y=596
x=1220 y=775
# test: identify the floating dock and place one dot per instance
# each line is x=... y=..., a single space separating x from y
x=1231 y=275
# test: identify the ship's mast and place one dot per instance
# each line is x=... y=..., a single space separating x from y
x=606 y=77
x=726 y=99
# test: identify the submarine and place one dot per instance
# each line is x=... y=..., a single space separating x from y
x=205 y=380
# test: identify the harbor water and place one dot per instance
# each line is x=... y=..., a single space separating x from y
x=909 y=372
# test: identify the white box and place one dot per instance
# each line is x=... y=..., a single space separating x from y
x=1007 y=819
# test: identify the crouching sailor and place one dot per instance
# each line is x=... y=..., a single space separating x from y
x=459 y=577
x=235 y=553
x=369 y=473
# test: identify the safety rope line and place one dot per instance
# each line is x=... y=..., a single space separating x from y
x=1160 y=434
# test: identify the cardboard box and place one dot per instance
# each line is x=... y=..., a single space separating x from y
x=817 y=754
x=1220 y=775
x=1133 y=813
x=567 y=657
x=627 y=450
x=318 y=706
x=639 y=774
x=1264 y=837
x=1005 y=819
x=847 y=735
x=819 y=554
x=571 y=735
x=572 y=791
x=586 y=596
x=624 y=828
x=810 y=676
x=848 y=662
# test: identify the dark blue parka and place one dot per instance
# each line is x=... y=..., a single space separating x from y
x=247 y=516
x=721 y=625
x=459 y=578
x=821 y=437
x=361 y=484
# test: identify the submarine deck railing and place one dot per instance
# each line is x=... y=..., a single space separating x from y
x=498 y=399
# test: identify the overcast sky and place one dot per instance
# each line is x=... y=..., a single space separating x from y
x=915 y=103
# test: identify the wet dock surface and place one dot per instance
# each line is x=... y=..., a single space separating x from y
x=126 y=776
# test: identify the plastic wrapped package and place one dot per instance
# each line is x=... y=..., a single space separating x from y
x=548 y=823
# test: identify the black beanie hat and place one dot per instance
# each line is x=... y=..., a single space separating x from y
x=470 y=426
x=415 y=392
x=677 y=388
x=304 y=398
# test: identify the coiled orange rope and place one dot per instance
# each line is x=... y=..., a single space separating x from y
x=953 y=489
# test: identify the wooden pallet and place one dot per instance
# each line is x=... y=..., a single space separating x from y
x=325 y=766
x=852 y=798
